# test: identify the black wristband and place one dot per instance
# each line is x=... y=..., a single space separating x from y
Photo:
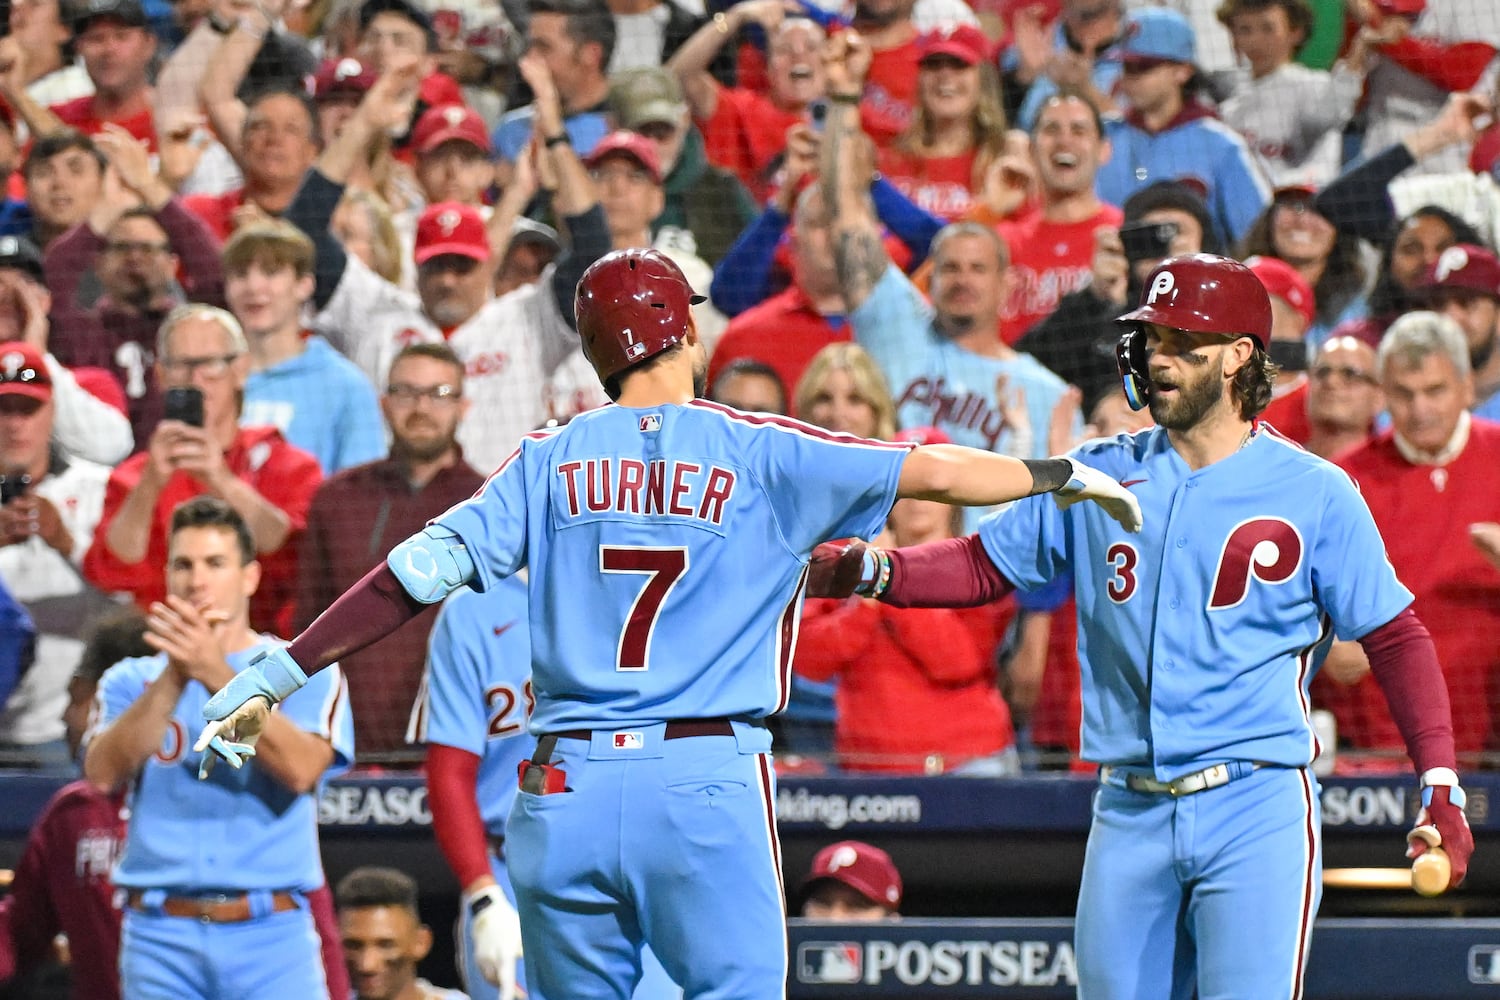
x=838 y=98
x=1048 y=475
x=561 y=139
x=479 y=904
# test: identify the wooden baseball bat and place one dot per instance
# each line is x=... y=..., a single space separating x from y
x=1430 y=872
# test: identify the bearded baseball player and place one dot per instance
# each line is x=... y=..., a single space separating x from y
x=1198 y=638
x=650 y=718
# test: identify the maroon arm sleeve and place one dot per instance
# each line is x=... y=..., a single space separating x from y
x=953 y=573
x=1405 y=665
x=452 y=783
x=368 y=611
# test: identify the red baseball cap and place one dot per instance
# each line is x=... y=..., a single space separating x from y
x=23 y=371
x=867 y=870
x=450 y=122
x=451 y=228
x=632 y=144
x=1286 y=283
x=963 y=42
x=1465 y=267
x=341 y=78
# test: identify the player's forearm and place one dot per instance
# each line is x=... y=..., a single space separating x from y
x=293 y=756
x=367 y=612
x=972 y=478
x=117 y=751
x=1406 y=667
x=952 y=573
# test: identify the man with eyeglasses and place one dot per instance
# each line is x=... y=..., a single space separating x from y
x=1334 y=410
x=269 y=482
x=1167 y=134
x=1432 y=480
x=116 y=277
x=362 y=512
x=1065 y=54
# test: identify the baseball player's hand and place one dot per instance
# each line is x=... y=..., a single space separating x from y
x=1442 y=823
x=836 y=569
x=1088 y=483
x=238 y=713
x=496 y=929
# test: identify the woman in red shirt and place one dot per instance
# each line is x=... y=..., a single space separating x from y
x=957 y=126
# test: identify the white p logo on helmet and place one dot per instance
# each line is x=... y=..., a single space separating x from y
x=1453 y=260
x=843 y=857
x=1164 y=283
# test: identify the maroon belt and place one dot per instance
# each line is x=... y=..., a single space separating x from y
x=677 y=729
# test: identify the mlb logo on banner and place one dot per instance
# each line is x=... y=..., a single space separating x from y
x=650 y=422
x=629 y=741
x=829 y=962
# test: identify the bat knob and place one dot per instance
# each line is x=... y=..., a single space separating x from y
x=1430 y=872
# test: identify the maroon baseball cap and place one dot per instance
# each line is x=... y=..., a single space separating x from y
x=867 y=870
x=1464 y=267
x=624 y=143
x=1286 y=283
x=23 y=371
x=963 y=42
x=341 y=78
x=450 y=227
x=449 y=122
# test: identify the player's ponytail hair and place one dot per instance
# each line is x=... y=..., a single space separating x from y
x=1253 y=383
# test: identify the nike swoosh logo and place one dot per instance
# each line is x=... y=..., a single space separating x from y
x=1127 y=483
x=502 y=629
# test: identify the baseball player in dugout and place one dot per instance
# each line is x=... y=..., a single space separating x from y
x=1198 y=638
x=218 y=862
x=643 y=516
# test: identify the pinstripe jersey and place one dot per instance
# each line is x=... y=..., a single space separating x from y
x=1199 y=636
x=241 y=828
x=667 y=551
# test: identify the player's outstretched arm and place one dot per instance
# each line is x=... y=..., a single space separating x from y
x=973 y=478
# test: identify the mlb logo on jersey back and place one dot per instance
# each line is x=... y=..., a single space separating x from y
x=629 y=741
x=650 y=422
x=829 y=962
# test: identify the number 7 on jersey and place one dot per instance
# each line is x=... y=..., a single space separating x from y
x=662 y=567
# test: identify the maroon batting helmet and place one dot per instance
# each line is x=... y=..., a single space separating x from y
x=631 y=305
x=1197 y=292
x=1205 y=293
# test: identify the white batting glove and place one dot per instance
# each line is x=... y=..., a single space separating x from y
x=495 y=928
x=1088 y=483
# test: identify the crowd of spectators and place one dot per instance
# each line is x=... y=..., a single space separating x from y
x=317 y=261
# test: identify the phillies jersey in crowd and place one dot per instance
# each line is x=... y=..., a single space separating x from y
x=509 y=348
x=1293 y=121
x=241 y=828
x=1212 y=663
x=629 y=542
x=1047 y=261
x=1425 y=511
x=937 y=383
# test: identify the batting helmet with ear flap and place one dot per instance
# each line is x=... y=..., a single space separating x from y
x=1205 y=293
x=1200 y=293
x=631 y=305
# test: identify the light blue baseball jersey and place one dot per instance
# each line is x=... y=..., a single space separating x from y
x=1198 y=636
x=667 y=550
x=476 y=693
x=937 y=383
x=238 y=829
x=1203 y=149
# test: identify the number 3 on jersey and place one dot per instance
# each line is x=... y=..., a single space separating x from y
x=662 y=567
